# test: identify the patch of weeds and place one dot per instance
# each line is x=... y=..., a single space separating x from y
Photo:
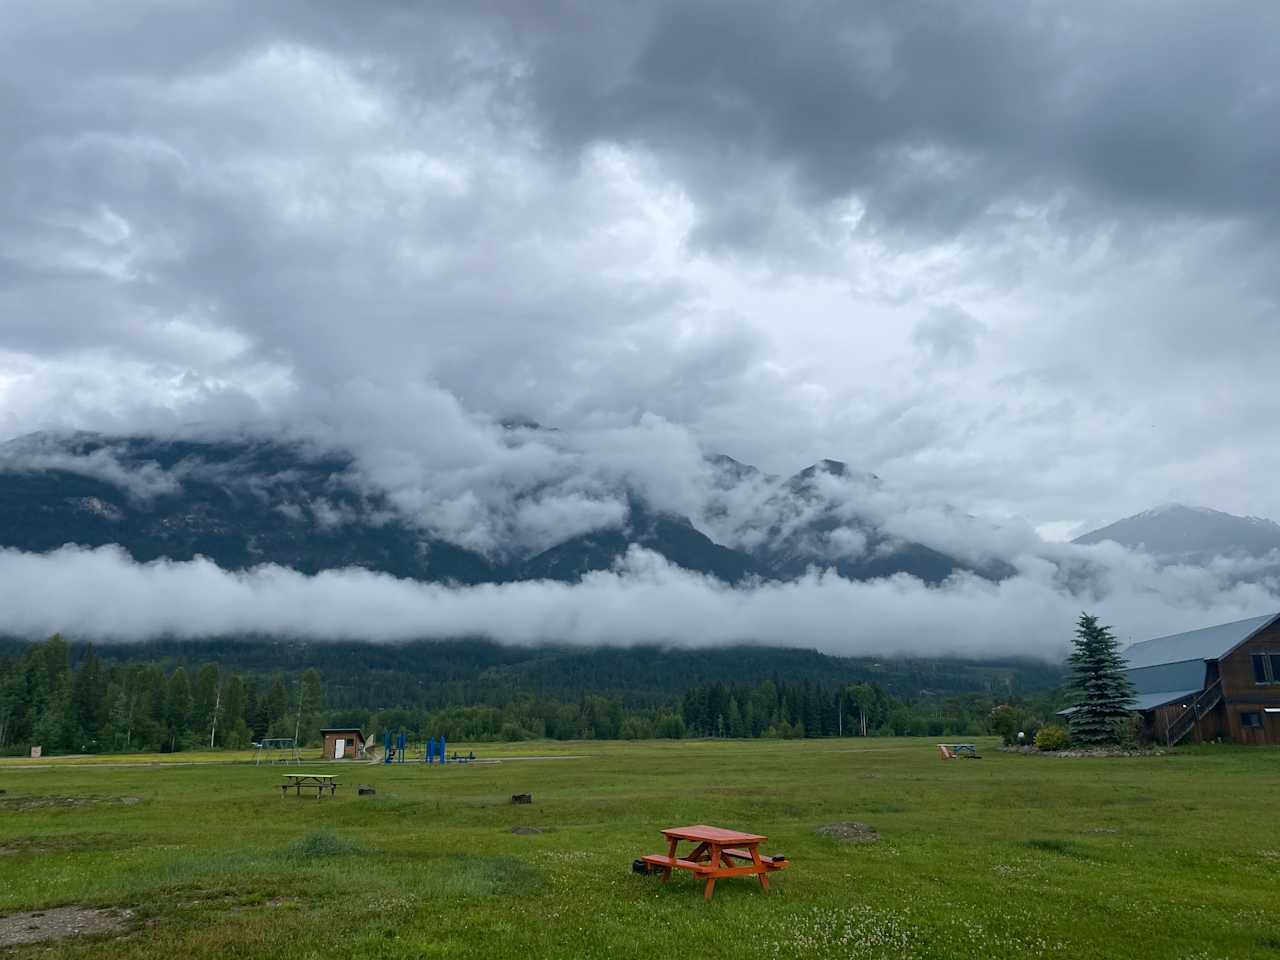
x=320 y=844
x=884 y=808
x=1063 y=848
x=1269 y=943
x=467 y=876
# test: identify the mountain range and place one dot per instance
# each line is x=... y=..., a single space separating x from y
x=1175 y=532
x=244 y=502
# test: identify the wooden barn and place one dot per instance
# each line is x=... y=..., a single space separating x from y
x=343 y=743
x=1220 y=682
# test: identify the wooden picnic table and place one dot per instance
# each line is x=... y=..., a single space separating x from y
x=718 y=853
x=321 y=782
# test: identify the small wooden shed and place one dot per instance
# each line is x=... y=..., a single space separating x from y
x=343 y=743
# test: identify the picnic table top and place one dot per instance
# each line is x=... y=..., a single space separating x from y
x=702 y=833
x=310 y=776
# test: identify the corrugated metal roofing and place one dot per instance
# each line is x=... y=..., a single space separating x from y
x=1149 y=701
x=1208 y=643
x=1187 y=675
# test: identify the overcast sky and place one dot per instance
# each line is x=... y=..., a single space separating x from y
x=1020 y=258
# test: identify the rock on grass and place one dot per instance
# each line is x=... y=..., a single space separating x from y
x=849 y=831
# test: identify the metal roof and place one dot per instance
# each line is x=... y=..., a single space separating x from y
x=1149 y=701
x=1185 y=675
x=1208 y=643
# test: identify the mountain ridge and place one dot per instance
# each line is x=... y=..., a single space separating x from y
x=242 y=502
x=1176 y=530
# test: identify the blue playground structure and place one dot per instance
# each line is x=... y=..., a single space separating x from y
x=393 y=754
x=433 y=751
x=430 y=753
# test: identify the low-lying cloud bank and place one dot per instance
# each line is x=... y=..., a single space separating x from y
x=103 y=594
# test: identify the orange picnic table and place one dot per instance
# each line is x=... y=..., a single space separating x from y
x=718 y=853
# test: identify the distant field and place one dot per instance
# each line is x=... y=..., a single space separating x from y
x=1012 y=856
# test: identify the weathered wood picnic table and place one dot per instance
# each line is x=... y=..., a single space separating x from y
x=718 y=853
x=321 y=782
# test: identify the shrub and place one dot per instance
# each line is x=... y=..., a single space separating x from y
x=1052 y=737
x=1006 y=722
x=320 y=843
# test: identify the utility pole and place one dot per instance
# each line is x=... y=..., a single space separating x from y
x=217 y=705
x=297 y=725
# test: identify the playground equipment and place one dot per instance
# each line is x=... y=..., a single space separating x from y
x=277 y=750
x=433 y=750
x=393 y=754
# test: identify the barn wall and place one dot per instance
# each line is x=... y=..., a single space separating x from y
x=1244 y=694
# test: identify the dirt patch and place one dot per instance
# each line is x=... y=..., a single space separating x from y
x=55 y=802
x=60 y=923
x=531 y=831
x=849 y=831
x=67 y=843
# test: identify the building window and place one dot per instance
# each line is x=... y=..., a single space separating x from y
x=1275 y=667
x=1266 y=667
x=1251 y=719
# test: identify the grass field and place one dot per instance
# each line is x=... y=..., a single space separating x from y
x=1174 y=856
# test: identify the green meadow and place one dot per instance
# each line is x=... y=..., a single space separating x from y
x=1172 y=856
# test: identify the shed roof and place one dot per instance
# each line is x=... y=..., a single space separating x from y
x=1184 y=675
x=1149 y=701
x=1208 y=643
x=324 y=730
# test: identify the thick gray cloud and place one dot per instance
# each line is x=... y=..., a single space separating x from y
x=103 y=594
x=1019 y=259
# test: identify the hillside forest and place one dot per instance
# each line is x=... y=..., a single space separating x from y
x=75 y=698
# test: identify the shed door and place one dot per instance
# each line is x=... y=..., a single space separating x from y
x=339 y=747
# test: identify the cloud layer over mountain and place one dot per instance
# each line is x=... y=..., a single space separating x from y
x=103 y=594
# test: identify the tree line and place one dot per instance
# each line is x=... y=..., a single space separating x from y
x=97 y=708
x=69 y=699
x=781 y=708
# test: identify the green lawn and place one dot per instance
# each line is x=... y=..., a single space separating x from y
x=1175 y=856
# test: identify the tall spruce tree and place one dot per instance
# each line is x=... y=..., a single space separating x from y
x=1103 y=692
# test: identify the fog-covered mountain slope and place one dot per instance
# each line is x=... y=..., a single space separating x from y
x=1177 y=531
x=243 y=502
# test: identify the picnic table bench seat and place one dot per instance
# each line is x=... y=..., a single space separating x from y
x=662 y=860
x=771 y=863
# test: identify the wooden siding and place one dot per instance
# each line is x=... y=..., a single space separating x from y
x=1243 y=694
x=332 y=737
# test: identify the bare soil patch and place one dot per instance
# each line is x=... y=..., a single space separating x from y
x=69 y=843
x=60 y=923
x=849 y=831
x=57 y=802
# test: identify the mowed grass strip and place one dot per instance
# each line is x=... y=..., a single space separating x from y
x=1010 y=856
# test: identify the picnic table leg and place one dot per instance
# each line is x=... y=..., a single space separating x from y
x=672 y=843
x=715 y=865
x=755 y=858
